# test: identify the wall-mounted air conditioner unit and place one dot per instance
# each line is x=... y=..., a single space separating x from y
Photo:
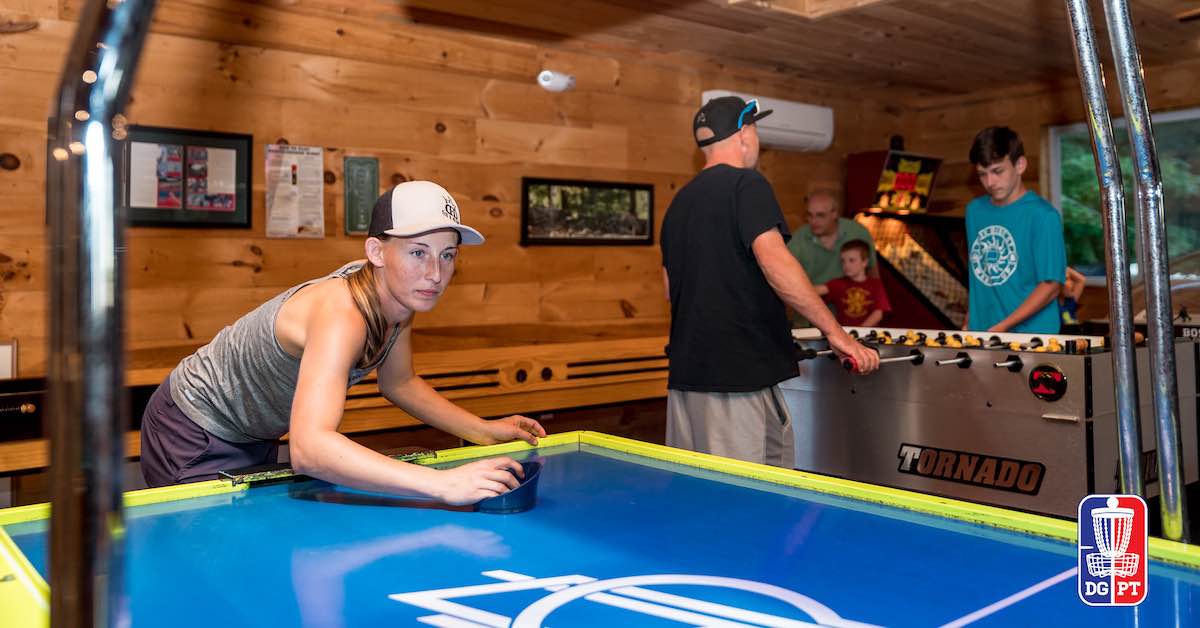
x=793 y=125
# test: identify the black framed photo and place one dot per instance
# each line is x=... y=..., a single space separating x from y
x=564 y=211
x=185 y=178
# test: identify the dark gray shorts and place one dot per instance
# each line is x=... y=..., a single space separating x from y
x=175 y=450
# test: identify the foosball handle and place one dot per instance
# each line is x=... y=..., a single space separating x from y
x=850 y=364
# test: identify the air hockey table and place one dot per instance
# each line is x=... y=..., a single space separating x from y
x=624 y=534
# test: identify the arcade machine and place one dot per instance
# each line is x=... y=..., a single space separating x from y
x=922 y=255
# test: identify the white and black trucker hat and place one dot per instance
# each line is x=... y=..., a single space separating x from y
x=415 y=207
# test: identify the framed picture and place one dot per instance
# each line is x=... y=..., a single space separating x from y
x=8 y=358
x=184 y=178
x=360 y=177
x=905 y=183
x=560 y=211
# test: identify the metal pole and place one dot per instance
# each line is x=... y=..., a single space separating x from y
x=1152 y=234
x=1120 y=311
x=87 y=406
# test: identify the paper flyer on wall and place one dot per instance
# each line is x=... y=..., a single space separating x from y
x=295 y=191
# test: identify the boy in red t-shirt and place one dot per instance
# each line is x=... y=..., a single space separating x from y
x=858 y=300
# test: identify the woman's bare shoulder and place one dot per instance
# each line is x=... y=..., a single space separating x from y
x=324 y=308
x=332 y=299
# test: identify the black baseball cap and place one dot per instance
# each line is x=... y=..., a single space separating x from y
x=724 y=116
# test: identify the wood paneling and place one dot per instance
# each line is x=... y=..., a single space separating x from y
x=507 y=380
x=931 y=46
x=454 y=105
x=946 y=126
x=444 y=90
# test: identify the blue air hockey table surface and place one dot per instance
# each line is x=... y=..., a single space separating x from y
x=624 y=534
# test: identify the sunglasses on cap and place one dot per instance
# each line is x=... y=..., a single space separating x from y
x=751 y=108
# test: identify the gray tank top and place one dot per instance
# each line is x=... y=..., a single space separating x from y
x=240 y=386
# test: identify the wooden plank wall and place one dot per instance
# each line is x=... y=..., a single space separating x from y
x=946 y=126
x=458 y=108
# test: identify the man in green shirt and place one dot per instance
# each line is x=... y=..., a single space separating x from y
x=818 y=245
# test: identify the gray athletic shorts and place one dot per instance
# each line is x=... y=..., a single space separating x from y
x=752 y=426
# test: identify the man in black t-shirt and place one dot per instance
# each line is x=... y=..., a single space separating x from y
x=728 y=274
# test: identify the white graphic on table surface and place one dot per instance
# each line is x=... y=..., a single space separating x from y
x=1113 y=527
x=994 y=256
x=627 y=593
x=319 y=575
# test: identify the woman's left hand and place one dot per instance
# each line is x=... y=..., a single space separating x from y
x=515 y=427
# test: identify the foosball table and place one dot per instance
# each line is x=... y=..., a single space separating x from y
x=1023 y=421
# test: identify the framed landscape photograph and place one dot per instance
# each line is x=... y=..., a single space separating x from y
x=185 y=178
x=562 y=211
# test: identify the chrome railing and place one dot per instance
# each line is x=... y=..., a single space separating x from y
x=86 y=402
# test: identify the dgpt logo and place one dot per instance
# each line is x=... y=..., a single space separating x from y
x=1112 y=550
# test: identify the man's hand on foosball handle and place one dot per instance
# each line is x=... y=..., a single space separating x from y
x=859 y=358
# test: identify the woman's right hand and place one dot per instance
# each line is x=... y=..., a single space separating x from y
x=471 y=482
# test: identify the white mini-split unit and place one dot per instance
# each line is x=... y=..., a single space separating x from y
x=793 y=125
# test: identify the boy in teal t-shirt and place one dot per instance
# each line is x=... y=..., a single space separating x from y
x=1015 y=243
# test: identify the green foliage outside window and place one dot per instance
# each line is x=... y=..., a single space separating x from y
x=1178 y=144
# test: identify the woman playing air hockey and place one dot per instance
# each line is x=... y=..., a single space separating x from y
x=286 y=366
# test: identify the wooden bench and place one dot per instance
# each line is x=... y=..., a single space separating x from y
x=489 y=381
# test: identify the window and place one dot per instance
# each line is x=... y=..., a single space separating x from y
x=1075 y=189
